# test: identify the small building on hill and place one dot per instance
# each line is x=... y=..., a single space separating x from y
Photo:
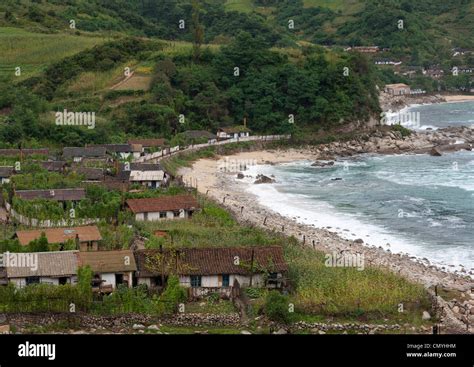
x=163 y=208
x=54 y=268
x=87 y=238
x=78 y=154
x=213 y=269
x=397 y=89
x=233 y=132
x=61 y=195
x=5 y=174
x=111 y=268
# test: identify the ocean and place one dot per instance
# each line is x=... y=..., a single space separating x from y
x=415 y=204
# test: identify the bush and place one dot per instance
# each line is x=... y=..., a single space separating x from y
x=173 y=295
x=276 y=307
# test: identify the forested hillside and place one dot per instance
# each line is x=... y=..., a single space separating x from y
x=151 y=68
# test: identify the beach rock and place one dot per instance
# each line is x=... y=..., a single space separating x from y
x=426 y=315
x=240 y=175
x=281 y=332
x=245 y=332
x=435 y=152
x=138 y=327
x=153 y=327
x=359 y=240
x=322 y=164
x=336 y=179
x=262 y=179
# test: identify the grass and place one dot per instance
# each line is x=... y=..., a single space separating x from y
x=34 y=51
x=317 y=290
x=244 y=6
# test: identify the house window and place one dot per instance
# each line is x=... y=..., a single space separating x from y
x=162 y=214
x=195 y=281
x=176 y=214
x=32 y=280
x=225 y=280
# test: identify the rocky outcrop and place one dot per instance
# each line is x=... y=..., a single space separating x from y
x=262 y=179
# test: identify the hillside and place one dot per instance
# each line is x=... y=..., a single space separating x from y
x=145 y=74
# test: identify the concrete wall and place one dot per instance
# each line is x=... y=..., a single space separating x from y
x=21 y=282
x=155 y=216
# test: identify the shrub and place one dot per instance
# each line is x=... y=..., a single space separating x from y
x=173 y=295
x=276 y=307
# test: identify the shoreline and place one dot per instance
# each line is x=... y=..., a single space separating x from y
x=218 y=185
x=225 y=189
x=399 y=103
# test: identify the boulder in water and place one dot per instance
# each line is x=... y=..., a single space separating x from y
x=261 y=179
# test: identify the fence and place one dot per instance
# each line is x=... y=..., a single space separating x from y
x=169 y=152
x=47 y=223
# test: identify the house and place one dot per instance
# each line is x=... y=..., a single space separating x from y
x=87 y=238
x=145 y=174
x=111 y=268
x=90 y=174
x=5 y=174
x=123 y=151
x=54 y=166
x=199 y=136
x=77 y=154
x=397 y=89
x=213 y=269
x=154 y=144
x=55 y=268
x=234 y=132
x=162 y=208
x=62 y=195
x=433 y=73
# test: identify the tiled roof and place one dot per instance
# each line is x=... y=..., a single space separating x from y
x=60 y=235
x=49 y=264
x=143 y=167
x=116 y=148
x=86 y=152
x=55 y=166
x=6 y=171
x=148 y=143
x=53 y=194
x=146 y=176
x=108 y=261
x=91 y=174
x=210 y=261
x=164 y=203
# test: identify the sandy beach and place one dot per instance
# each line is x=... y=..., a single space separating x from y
x=459 y=98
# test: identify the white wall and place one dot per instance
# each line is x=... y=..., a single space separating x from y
x=109 y=279
x=155 y=216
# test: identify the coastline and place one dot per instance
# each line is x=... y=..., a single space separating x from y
x=218 y=185
x=399 y=103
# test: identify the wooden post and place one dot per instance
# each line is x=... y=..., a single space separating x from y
x=251 y=267
x=265 y=221
x=223 y=200
x=314 y=246
x=304 y=239
x=283 y=228
x=241 y=209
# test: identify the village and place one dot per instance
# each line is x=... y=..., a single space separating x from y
x=81 y=207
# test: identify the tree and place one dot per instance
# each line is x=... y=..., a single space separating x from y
x=198 y=31
x=276 y=307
